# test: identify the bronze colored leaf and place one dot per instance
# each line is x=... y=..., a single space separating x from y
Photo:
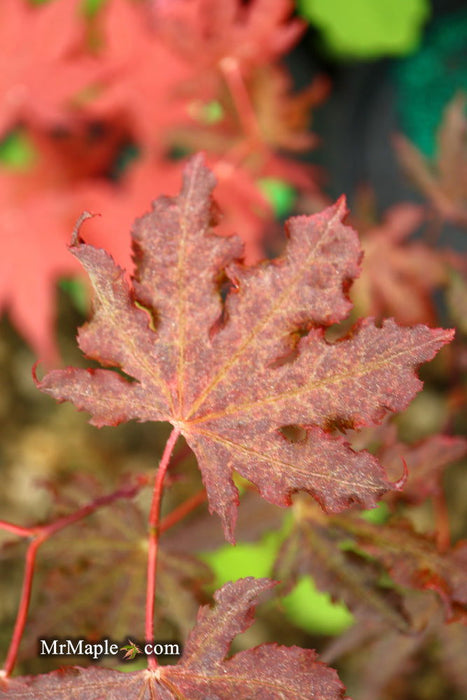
x=231 y=374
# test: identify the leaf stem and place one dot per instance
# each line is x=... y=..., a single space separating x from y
x=23 y=605
x=241 y=98
x=17 y=529
x=154 y=532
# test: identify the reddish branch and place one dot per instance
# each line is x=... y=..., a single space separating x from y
x=182 y=510
x=39 y=534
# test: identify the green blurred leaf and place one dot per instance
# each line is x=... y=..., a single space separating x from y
x=377 y=515
x=90 y=7
x=367 y=28
x=16 y=151
x=212 y=113
x=280 y=194
x=314 y=611
x=231 y=562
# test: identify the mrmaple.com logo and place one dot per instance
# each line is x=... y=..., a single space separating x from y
x=105 y=647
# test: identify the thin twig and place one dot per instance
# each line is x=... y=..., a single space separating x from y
x=182 y=510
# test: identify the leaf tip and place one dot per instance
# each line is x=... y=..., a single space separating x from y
x=76 y=239
x=442 y=336
x=400 y=483
x=35 y=378
x=196 y=166
x=341 y=206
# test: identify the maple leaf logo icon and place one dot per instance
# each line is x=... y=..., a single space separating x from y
x=131 y=650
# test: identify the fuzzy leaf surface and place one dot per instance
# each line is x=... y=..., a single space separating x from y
x=230 y=375
x=203 y=672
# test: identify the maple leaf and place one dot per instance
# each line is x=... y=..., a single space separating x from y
x=133 y=82
x=105 y=557
x=206 y=32
x=391 y=663
x=413 y=560
x=230 y=376
x=34 y=257
x=390 y=659
x=283 y=117
x=32 y=52
x=444 y=181
x=27 y=272
x=203 y=671
x=351 y=558
x=398 y=276
x=314 y=547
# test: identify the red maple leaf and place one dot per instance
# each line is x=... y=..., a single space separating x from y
x=315 y=547
x=39 y=207
x=267 y=672
x=207 y=32
x=141 y=75
x=32 y=235
x=41 y=69
x=104 y=558
x=230 y=375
